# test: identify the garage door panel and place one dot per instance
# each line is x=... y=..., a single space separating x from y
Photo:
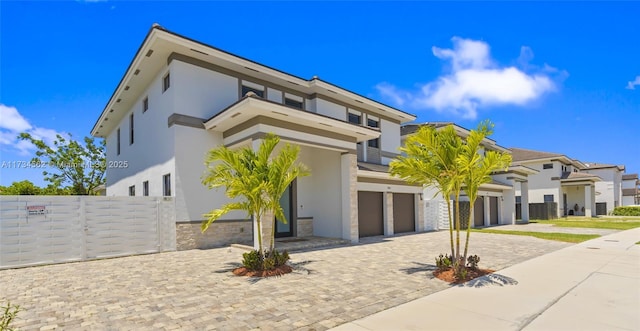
x=478 y=212
x=370 y=214
x=403 y=213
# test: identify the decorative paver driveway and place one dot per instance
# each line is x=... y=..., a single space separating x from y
x=196 y=290
x=541 y=227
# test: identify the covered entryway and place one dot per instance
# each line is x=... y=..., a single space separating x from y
x=370 y=214
x=478 y=212
x=403 y=213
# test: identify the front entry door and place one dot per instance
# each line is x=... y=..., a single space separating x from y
x=286 y=230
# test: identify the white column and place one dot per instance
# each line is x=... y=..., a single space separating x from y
x=524 y=201
x=418 y=202
x=349 y=190
x=587 y=201
x=387 y=206
x=487 y=210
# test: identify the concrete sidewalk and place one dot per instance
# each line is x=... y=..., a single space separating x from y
x=594 y=285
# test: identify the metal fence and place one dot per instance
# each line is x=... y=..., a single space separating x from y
x=54 y=229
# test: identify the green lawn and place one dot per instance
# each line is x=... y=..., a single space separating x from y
x=595 y=223
x=566 y=237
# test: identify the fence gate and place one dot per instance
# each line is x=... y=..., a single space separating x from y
x=53 y=229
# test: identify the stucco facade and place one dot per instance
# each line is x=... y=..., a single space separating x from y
x=180 y=98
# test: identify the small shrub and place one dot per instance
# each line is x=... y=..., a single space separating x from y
x=270 y=260
x=252 y=260
x=627 y=211
x=9 y=313
x=461 y=273
x=444 y=262
x=472 y=261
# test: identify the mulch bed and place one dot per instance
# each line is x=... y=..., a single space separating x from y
x=448 y=275
x=278 y=271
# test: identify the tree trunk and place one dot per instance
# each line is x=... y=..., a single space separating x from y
x=450 y=226
x=457 y=257
x=466 y=242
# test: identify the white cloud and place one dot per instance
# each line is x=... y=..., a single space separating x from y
x=474 y=80
x=13 y=123
x=632 y=85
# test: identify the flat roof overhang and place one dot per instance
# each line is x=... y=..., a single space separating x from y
x=252 y=117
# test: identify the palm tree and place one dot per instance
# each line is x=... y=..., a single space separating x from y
x=256 y=177
x=430 y=161
x=477 y=169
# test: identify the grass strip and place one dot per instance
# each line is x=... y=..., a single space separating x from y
x=565 y=237
x=613 y=225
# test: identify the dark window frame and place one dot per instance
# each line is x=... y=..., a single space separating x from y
x=118 y=142
x=375 y=125
x=166 y=185
x=293 y=103
x=131 y=129
x=546 y=196
x=145 y=188
x=166 y=82
x=374 y=143
x=349 y=117
x=132 y=191
x=547 y=166
x=145 y=104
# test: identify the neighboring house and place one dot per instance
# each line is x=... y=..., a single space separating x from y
x=496 y=203
x=559 y=182
x=630 y=190
x=609 y=189
x=179 y=98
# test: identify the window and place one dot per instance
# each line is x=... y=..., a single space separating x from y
x=547 y=166
x=548 y=198
x=372 y=123
x=131 y=129
x=293 y=103
x=518 y=199
x=145 y=104
x=166 y=185
x=132 y=191
x=251 y=87
x=375 y=143
x=118 y=142
x=355 y=118
x=166 y=82
x=145 y=188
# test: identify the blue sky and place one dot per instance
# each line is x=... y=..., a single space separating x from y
x=558 y=77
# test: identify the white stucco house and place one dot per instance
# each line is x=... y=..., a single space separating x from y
x=559 y=180
x=179 y=98
x=609 y=188
x=630 y=190
x=496 y=202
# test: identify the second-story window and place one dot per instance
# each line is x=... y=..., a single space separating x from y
x=251 y=87
x=373 y=122
x=132 y=191
x=293 y=101
x=355 y=118
x=547 y=166
x=145 y=188
x=131 y=129
x=166 y=82
x=145 y=104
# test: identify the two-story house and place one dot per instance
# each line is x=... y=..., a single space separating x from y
x=496 y=201
x=559 y=180
x=630 y=190
x=179 y=98
x=609 y=188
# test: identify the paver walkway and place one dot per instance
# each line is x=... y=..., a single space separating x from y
x=196 y=290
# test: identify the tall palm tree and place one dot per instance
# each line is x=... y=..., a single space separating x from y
x=255 y=176
x=429 y=160
x=477 y=168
